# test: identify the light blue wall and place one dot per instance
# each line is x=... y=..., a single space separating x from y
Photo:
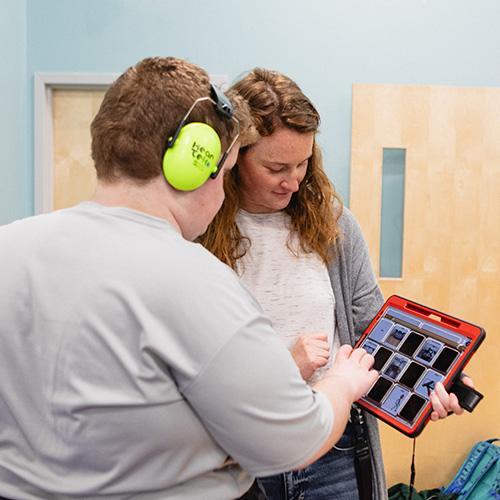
x=325 y=45
x=16 y=181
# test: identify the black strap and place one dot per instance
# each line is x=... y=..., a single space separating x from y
x=362 y=459
x=256 y=492
x=412 y=469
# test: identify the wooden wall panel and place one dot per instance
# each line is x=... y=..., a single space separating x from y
x=451 y=238
x=74 y=174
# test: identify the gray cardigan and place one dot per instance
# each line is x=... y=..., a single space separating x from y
x=357 y=300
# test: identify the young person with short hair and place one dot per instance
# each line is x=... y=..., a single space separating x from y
x=134 y=364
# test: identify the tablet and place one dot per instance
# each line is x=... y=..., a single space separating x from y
x=414 y=348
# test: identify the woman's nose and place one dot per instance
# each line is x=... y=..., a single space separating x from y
x=291 y=182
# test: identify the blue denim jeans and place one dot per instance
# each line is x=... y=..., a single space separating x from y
x=331 y=477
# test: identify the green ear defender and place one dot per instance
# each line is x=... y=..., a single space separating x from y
x=192 y=154
x=193 y=157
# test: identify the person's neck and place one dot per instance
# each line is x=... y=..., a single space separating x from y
x=150 y=197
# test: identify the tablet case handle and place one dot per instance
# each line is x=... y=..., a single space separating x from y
x=442 y=318
x=467 y=396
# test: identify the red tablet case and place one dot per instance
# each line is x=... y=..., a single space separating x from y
x=414 y=348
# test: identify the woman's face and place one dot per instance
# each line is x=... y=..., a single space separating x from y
x=272 y=169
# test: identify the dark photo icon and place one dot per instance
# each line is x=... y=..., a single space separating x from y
x=445 y=359
x=412 y=375
x=396 y=367
x=396 y=335
x=429 y=350
x=412 y=408
x=381 y=357
x=379 y=390
x=411 y=344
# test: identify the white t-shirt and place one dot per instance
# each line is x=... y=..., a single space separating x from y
x=133 y=364
x=294 y=291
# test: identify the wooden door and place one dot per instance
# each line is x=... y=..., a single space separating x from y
x=451 y=239
x=74 y=173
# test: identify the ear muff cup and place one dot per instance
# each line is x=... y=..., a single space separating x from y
x=191 y=159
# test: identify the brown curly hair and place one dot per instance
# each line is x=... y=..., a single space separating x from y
x=276 y=101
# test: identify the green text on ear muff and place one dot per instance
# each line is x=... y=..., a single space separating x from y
x=188 y=163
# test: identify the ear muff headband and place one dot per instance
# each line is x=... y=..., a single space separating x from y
x=222 y=103
x=192 y=152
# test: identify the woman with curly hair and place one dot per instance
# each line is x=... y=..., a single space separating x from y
x=284 y=230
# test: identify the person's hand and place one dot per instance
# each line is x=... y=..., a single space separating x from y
x=310 y=352
x=353 y=370
x=444 y=402
x=349 y=377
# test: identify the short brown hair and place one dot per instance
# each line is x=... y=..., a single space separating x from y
x=142 y=109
